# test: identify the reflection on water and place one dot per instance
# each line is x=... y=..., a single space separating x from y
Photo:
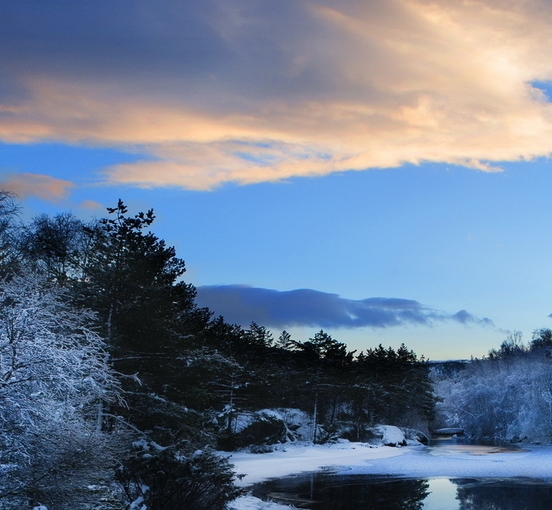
x=324 y=491
x=442 y=495
x=461 y=446
x=328 y=491
x=504 y=494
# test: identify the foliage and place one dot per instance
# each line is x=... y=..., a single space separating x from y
x=54 y=381
x=131 y=280
x=510 y=347
x=10 y=226
x=506 y=396
x=186 y=376
x=542 y=339
x=167 y=479
x=57 y=246
x=189 y=378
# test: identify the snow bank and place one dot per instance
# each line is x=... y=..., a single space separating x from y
x=253 y=503
x=298 y=423
x=289 y=459
x=410 y=461
x=390 y=435
x=420 y=462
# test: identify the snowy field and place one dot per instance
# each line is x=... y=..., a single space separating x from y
x=410 y=461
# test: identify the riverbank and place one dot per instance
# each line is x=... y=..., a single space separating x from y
x=411 y=461
x=290 y=459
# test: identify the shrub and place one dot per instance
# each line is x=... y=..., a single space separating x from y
x=165 y=479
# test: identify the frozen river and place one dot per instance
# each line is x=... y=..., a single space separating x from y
x=324 y=491
x=446 y=477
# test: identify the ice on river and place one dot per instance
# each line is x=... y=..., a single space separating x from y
x=410 y=461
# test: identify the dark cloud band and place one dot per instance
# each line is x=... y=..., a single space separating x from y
x=242 y=304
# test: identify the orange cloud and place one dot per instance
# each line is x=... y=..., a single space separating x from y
x=91 y=205
x=322 y=87
x=38 y=185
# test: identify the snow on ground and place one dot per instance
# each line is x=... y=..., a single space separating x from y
x=410 y=461
x=422 y=462
x=290 y=459
x=253 y=503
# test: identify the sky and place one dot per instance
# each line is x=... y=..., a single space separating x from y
x=379 y=170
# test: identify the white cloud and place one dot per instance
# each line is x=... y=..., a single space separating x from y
x=248 y=91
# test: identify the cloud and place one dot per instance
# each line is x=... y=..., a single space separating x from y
x=240 y=304
x=465 y=317
x=91 y=205
x=212 y=92
x=38 y=185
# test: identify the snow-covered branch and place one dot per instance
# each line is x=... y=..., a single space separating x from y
x=55 y=380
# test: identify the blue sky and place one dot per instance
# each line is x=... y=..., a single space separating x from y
x=380 y=171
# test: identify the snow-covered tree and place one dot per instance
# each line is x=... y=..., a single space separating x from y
x=54 y=383
x=507 y=396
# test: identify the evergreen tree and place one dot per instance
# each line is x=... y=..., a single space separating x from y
x=396 y=387
x=132 y=280
x=325 y=362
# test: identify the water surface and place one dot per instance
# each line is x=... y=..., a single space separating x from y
x=326 y=491
x=330 y=491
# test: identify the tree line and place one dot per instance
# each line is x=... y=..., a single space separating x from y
x=117 y=389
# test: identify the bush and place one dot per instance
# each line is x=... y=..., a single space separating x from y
x=165 y=479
